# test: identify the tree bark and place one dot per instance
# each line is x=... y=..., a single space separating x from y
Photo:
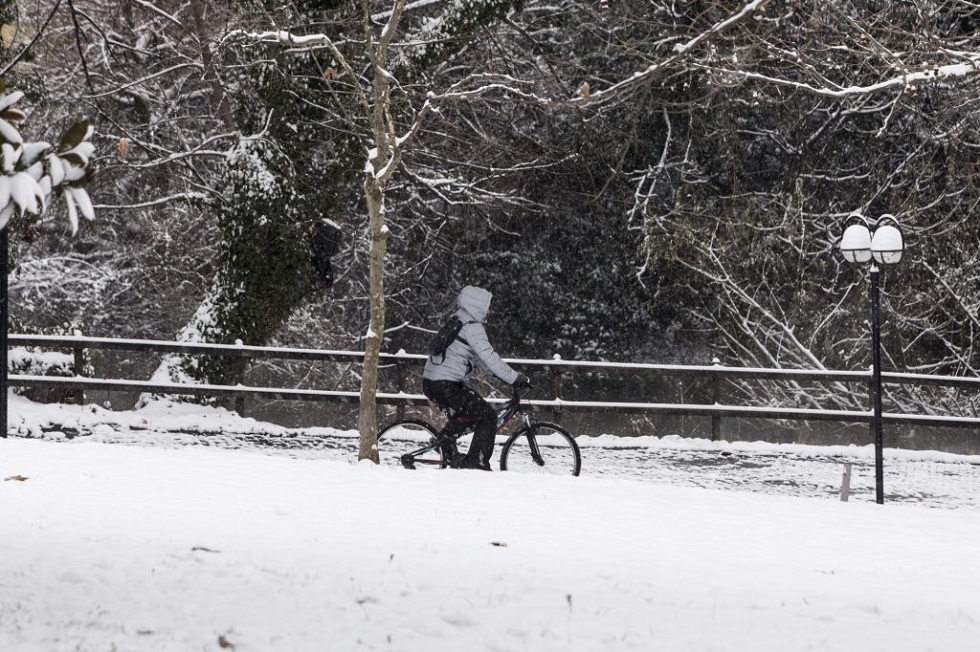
x=368 y=415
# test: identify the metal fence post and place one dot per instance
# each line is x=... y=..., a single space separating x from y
x=79 y=355
x=716 y=399
x=402 y=382
x=239 y=371
x=557 y=388
x=845 y=483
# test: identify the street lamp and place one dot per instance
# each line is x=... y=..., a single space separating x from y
x=879 y=243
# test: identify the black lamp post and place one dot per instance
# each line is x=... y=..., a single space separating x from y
x=3 y=329
x=879 y=243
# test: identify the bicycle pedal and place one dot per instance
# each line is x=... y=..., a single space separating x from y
x=408 y=461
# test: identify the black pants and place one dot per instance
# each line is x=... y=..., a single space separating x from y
x=466 y=402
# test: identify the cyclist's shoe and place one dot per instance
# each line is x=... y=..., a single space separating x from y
x=448 y=451
x=467 y=462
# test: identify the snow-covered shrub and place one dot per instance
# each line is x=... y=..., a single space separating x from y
x=31 y=172
x=33 y=361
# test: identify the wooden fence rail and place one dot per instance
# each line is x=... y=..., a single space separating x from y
x=715 y=375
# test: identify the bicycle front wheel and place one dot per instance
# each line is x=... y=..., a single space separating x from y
x=541 y=448
x=410 y=443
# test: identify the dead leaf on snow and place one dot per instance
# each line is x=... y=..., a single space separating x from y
x=18 y=478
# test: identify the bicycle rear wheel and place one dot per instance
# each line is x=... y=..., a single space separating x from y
x=410 y=440
x=541 y=448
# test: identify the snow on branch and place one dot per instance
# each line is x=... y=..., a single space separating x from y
x=485 y=84
x=939 y=73
x=142 y=80
x=680 y=51
x=153 y=8
x=282 y=37
x=418 y=4
x=305 y=41
x=968 y=67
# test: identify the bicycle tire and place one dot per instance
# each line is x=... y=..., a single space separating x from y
x=557 y=450
x=406 y=436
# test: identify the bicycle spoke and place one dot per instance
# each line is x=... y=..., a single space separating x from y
x=407 y=443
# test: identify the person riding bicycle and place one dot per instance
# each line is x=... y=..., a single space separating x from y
x=444 y=380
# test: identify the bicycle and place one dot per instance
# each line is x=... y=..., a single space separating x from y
x=536 y=447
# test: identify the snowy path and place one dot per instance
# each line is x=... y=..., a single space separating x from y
x=928 y=478
x=918 y=477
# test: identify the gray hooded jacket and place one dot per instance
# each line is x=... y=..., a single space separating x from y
x=474 y=303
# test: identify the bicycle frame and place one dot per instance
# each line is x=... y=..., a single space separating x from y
x=507 y=411
x=455 y=429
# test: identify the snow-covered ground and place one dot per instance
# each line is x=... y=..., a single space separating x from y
x=268 y=539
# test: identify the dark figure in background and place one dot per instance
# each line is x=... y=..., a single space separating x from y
x=325 y=238
x=444 y=377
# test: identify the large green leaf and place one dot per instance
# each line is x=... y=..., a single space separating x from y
x=74 y=136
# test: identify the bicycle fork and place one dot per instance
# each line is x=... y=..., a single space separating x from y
x=532 y=442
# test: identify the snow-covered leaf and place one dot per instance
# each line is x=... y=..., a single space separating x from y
x=5 y=214
x=4 y=191
x=10 y=156
x=73 y=173
x=36 y=171
x=74 y=136
x=9 y=134
x=72 y=212
x=34 y=151
x=80 y=155
x=56 y=169
x=24 y=192
x=42 y=199
x=13 y=115
x=8 y=100
x=84 y=202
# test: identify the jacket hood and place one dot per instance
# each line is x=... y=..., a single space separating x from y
x=475 y=302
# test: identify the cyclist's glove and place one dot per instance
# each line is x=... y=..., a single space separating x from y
x=521 y=382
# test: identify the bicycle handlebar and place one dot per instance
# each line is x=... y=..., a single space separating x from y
x=516 y=393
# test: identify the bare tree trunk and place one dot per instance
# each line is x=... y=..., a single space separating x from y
x=368 y=415
x=382 y=163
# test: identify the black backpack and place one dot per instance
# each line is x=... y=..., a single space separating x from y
x=445 y=336
x=325 y=238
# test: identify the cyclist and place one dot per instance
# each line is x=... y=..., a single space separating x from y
x=444 y=377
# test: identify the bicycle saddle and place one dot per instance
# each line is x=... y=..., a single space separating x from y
x=453 y=416
x=463 y=420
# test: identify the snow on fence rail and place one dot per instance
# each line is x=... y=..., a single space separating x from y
x=558 y=368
